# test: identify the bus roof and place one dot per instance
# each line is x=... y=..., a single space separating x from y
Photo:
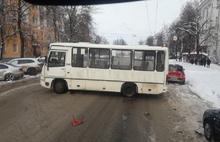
x=90 y=45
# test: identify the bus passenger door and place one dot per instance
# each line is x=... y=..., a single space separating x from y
x=56 y=66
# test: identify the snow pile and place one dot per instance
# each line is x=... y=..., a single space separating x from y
x=203 y=81
x=25 y=77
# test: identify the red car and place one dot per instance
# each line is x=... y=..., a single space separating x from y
x=176 y=74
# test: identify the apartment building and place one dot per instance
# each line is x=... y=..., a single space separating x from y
x=209 y=23
x=37 y=33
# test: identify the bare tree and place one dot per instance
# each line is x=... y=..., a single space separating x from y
x=100 y=40
x=141 y=42
x=119 y=42
x=19 y=16
x=150 y=41
x=191 y=29
x=78 y=23
x=4 y=10
x=71 y=21
x=54 y=20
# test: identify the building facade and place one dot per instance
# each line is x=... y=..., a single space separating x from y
x=209 y=25
x=37 y=32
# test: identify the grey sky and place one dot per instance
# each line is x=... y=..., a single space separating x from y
x=136 y=20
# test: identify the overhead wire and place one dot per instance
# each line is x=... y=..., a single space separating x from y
x=148 y=16
x=129 y=29
x=142 y=18
x=156 y=17
x=119 y=15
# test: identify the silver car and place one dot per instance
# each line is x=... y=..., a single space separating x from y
x=10 y=72
x=31 y=66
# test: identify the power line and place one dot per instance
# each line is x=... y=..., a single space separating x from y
x=119 y=15
x=156 y=17
x=147 y=15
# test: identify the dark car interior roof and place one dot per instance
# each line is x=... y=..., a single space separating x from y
x=75 y=2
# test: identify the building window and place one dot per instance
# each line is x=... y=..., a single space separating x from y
x=33 y=19
x=42 y=49
x=45 y=23
x=4 y=49
x=42 y=36
x=25 y=13
x=48 y=37
x=15 y=48
x=14 y=13
x=25 y=49
x=14 y=29
x=34 y=35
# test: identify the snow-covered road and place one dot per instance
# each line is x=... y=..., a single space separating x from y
x=203 y=81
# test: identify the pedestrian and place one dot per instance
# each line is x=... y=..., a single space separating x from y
x=180 y=58
x=208 y=63
x=191 y=61
x=195 y=61
x=204 y=61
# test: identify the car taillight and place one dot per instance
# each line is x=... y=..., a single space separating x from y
x=20 y=69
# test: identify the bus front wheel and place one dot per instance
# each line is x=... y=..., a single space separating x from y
x=129 y=90
x=60 y=87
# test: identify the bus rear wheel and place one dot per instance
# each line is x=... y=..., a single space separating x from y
x=129 y=90
x=60 y=87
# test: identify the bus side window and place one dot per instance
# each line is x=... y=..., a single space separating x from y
x=57 y=59
x=99 y=58
x=79 y=57
x=122 y=59
x=160 y=61
x=150 y=57
x=138 y=60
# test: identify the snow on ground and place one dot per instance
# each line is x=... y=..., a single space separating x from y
x=203 y=81
x=25 y=77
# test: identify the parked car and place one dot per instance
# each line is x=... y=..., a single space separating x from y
x=176 y=74
x=211 y=124
x=31 y=66
x=10 y=72
x=41 y=59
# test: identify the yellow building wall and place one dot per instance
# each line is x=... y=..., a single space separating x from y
x=41 y=43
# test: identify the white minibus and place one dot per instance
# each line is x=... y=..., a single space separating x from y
x=130 y=70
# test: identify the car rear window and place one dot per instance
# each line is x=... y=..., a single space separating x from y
x=30 y=61
x=3 y=67
x=22 y=61
x=25 y=61
x=11 y=64
x=175 y=68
